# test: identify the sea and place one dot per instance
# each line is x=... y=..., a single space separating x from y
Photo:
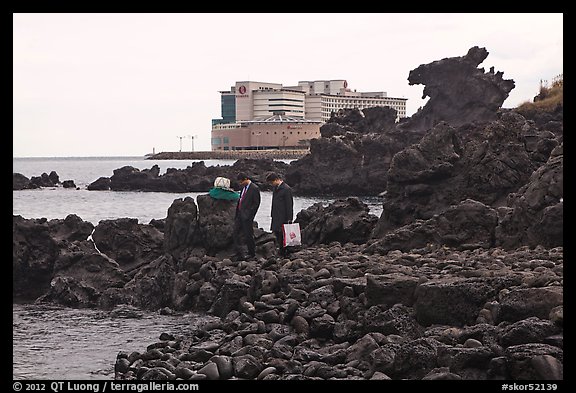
x=59 y=343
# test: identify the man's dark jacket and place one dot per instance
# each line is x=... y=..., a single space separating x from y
x=250 y=203
x=282 y=206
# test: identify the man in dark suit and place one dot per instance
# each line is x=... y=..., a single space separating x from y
x=246 y=209
x=282 y=209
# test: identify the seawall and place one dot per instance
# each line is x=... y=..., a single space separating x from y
x=229 y=154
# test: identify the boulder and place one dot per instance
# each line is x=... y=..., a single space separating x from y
x=128 y=242
x=345 y=220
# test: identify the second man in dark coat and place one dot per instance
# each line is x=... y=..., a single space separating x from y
x=246 y=209
x=282 y=209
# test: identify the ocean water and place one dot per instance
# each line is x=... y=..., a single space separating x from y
x=58 y=343
x=53 y=342
x=93 y=206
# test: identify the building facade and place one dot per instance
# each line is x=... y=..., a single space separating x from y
x=258 y=115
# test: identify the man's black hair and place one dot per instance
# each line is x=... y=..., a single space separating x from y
x=272 y=176
x=242 y=176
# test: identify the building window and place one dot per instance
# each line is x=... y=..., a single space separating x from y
x=226 y=140
x=216 y=141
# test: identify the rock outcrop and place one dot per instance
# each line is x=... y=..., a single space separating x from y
x=350 y=162
x=485 y=163
x=36 y=246
x=21 y=182
x=535 y=214
x=460 y=93
x=344 y=221
x=195 y=178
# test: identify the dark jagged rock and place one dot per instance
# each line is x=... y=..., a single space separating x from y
x=536 y=212
x=459 y=92
x=194 y=178
x=454 y=301
x=181 y=227
x=102 y=184
x=468 y=225
x=129 y=243
x=523 y=303
x=45 y=180
x=370 y=120
x=36 y=245
x=68 y=184
x=345 y=220
x=350 y=162
x=81 y=274
x=21 y=182
x=150 y=289
x=216 y=223
x=447 y=167
x=534 y=362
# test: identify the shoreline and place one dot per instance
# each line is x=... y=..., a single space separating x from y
x=229 y=154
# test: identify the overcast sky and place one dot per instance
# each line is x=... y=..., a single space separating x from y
x=123 y=84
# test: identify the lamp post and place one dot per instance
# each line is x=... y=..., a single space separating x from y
x=257 y=138
x=180 y=142
x=192 y=139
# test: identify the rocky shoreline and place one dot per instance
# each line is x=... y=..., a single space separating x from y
x=334 y=309
x=460 y=278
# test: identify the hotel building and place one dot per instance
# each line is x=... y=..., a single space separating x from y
x=259 y=115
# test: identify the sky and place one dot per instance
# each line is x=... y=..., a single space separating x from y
x=127 y=84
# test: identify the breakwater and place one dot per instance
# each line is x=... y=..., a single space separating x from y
x=229 y=154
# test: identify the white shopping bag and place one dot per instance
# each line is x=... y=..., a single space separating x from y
x=292 y=235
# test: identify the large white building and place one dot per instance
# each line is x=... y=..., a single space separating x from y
x=313 y=102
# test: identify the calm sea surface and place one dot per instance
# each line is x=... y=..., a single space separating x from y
x=93 y=206
x=63 y=343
